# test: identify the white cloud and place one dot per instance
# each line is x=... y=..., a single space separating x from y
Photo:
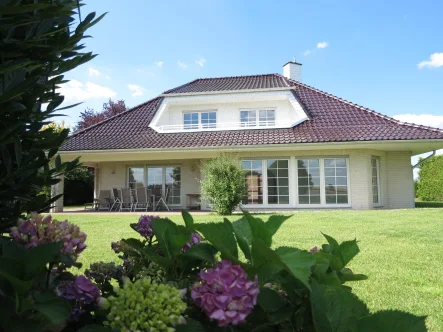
x=94 y=72
x=200 y=62
x=435 y=60
x=159 y=64
x=182 y=65
x=422 y=119
x=322 y=45
x=307 y=52
x=136 y=90
x=75 y=90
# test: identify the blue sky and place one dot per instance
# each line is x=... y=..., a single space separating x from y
x=385 y=55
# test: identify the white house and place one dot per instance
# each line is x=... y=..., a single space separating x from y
x=301 y=147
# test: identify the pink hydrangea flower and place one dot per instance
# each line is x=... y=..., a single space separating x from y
x=195 y=239
x=144 y=225
x=37 y=230
x=225 y=294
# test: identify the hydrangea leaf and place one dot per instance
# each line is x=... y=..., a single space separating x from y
x=259 y=229
x=202 y=251
x=392 y=321
x=189 y=221
x=55 y=309
x=348 y=250
x=243 y=234
x=274 y=222
x=37 y=258
x=221 y=235
x=276 y=307
x=335 y=309
x=298 y=262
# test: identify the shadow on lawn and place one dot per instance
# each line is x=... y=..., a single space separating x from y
x=429 y=204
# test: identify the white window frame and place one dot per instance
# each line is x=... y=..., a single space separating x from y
x=265 y=183
x=379 y=203
x=257 y=117
x=163 y=167
x=322 y=183
x=199 y=125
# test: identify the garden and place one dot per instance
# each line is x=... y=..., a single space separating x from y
x=224 y=272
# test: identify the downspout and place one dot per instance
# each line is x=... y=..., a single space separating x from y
x=423 y=160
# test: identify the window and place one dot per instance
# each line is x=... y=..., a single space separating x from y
x=173 y=182
x=162 y=178
x=336 y=181
x=248 y=118
x=254 y=118
x=375 y=181
x=136 y=176
x=196 y=120
x=266 y=118
x=254 y=181
x=308 y=181
x=278 y=181
x=323 y=181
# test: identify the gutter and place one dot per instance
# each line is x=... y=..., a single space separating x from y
x=423 y=160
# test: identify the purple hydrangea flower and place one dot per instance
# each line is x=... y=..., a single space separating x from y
x=225 y=294
x=313 y=250
x=144 y=225
x=37 y=230
x=81 y=292
x=195 y=239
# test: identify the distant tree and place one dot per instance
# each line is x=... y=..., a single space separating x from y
x=430 y=182
x=89 y=117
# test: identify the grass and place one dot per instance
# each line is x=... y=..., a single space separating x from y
x=400 y=251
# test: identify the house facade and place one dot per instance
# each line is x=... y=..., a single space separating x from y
x=300 y=147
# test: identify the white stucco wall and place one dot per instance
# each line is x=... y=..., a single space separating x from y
x=400 y=180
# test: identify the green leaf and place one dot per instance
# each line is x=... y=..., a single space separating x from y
x=55 y=309
x=392 y=321
x=189 y=221
x=276 y=307
x=333 y=242
x=20 y=286
x=335 y=309
x=95 y=328
x=37 y=258
x=191 y=325
x=274 y=222
x=265 y=261
x=348 y=275
x=243 y=234
x=202 y=251
x=221 y=236
x=348 y=250
x=164 y=230
x=298 y=262
x=259 y=229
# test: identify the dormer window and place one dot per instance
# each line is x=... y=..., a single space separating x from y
x=257 y=118
x=197 y=120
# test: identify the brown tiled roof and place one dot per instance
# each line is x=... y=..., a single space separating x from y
x=331 y=120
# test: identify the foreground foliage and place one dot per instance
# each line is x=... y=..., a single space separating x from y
x=38 y=44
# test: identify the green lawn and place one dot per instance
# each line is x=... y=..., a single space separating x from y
x=401 y=251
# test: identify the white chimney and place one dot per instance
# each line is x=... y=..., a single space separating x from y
x=292 y=70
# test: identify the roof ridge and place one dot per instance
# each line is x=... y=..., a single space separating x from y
x=180 y=86
x=386 y=117
x=237 y=76
x=112 y=117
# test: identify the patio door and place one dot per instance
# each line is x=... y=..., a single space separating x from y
x=161 y=178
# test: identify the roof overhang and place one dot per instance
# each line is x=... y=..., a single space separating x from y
x=415 y=147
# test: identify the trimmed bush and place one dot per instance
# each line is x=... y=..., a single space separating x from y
x=430 y=183
x=223 y=183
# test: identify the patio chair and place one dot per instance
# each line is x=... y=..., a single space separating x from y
x=116 y=196
x=163 y=200
x=126 y=199
x=103 y=201
x=141 y=199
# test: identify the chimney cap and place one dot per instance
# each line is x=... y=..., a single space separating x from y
x=293 y=62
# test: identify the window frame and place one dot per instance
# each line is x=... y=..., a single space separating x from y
x=199 y=124
x=163 y=167
x=264 y=168
x=257 y=117
x=322 y=183
x=377 y=166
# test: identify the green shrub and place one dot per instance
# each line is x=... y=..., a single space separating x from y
x=430 y=183
x=223 y=183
